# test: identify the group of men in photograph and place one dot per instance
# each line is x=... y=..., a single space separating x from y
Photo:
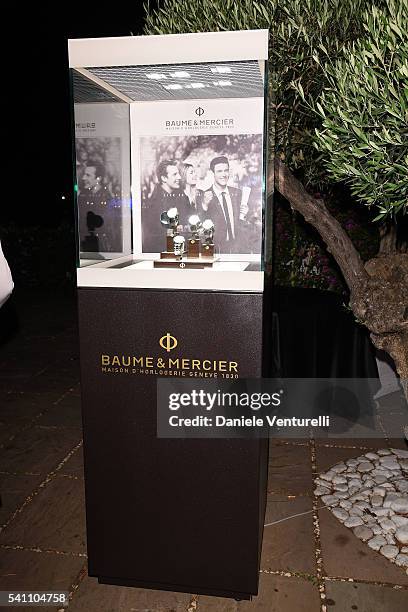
x=228 y=207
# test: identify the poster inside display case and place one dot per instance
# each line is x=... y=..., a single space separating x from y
x=170 y=167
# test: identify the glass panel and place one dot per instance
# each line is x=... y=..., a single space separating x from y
x=102 y=169
x=189 y=137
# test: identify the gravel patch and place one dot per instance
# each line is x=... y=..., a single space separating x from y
x=369 y=494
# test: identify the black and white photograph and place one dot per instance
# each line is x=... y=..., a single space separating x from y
x=216 y=177
x=99 y=178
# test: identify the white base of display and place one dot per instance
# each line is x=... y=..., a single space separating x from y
x=223 y=276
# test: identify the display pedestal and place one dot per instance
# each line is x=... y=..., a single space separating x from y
x=173 y=514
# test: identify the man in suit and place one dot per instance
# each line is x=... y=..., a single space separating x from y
x=100 y=214
x=222 y=204
x=167 y=194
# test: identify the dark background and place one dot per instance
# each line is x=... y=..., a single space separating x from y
x=37 y=218
x=38 y=101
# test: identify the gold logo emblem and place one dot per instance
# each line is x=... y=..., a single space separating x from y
x=168 y=342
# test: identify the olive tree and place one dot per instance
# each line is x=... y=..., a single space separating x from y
x=339 y=79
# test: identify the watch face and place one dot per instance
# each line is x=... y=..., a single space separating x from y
x=172 y=213
x=208 y=227
x=195 y=223
x=169 y=218
x=178 y=242
x=164 y=219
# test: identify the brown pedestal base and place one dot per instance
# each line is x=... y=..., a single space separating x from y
x=207 y=250
x=193 y=249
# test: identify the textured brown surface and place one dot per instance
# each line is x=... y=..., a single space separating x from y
x=289 y=469
x=55 y=518
x=288 y=545
x=346 y=597
x=38 y=450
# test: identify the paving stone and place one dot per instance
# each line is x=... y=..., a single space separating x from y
x=376 y=500
x=402 y=535
x=17 y=407
x=363 y=532
x=75 y=464
x=330 y=500
x=66 y=413
x=348 y=596
x=341 y=514
x=54 y=519
x=14 y=490
x=377 y=542
x=353 y=521
x=400 y=521
x=341 y=488
x=289 y=544
x=402 y=486
x=379 y=491
x=32 y=571
x=401 y=454
x=276 y=594
x=402 y=560
x=108 y=598
x=290 y=469
x=380 y=512
x=321 y=491
x=387 y=525
x=8 y=431
x=339 y=468
x=365 y=466
x=339 y=480
x=372 y=456
x=400 y=505
x=356 y=511
x=342 y=494
x=38 y=450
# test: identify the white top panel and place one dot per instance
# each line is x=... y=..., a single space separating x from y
x=228 y=275
x=224 y=276
x=169 y=49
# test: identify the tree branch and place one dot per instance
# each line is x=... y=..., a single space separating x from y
x=315 y=212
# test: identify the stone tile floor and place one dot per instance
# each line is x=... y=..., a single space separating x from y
x=310 y=562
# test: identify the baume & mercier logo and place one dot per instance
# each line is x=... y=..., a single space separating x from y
x=168 y=342
x=155 y=365
x=199 y=123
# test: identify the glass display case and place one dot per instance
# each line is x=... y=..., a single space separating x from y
x=170 y=163
x=173 y=248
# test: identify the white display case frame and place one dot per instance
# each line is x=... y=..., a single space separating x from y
x=136 y=270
